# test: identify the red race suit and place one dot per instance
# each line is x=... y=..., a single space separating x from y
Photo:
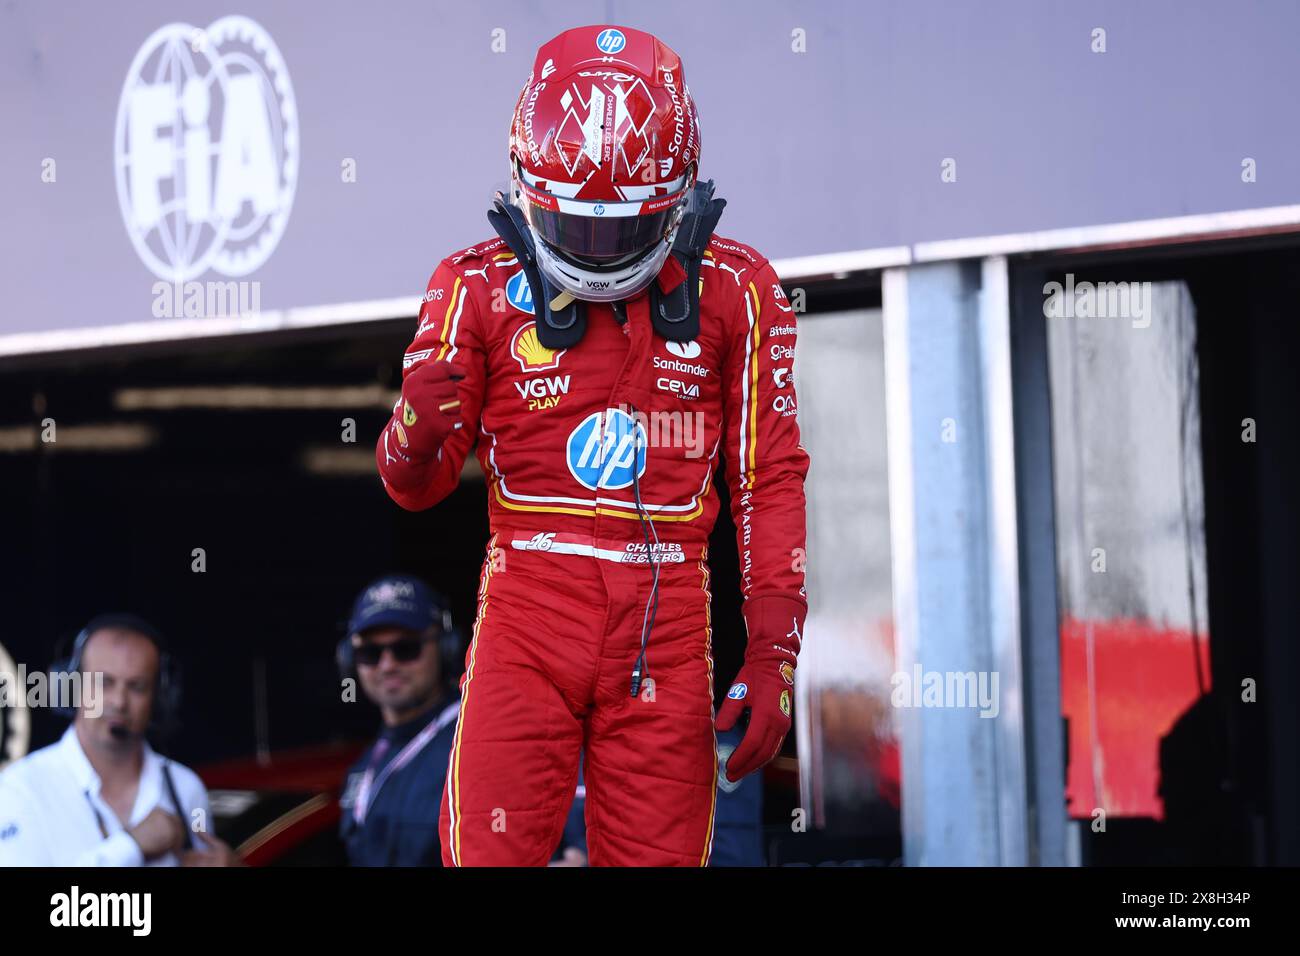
x=566 y=584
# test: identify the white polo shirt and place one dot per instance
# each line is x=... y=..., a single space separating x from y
x=51 y=812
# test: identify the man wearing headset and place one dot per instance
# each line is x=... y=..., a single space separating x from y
x=101 y=796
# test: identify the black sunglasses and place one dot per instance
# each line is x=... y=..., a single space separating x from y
x=404 y=650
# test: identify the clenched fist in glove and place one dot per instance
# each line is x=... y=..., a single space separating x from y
x=765 y=684
x=427 y=412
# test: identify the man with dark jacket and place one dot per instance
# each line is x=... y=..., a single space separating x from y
x=399 y=633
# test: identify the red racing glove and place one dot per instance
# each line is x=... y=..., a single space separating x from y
x=765 y=684
x=427 y=412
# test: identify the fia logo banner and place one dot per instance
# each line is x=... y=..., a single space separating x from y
x=206 y=149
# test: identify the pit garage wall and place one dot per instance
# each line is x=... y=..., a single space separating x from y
x=955 y=569
x=1130 y=528
x=848 y=750
x=996 y=506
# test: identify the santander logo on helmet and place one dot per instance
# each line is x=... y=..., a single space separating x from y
x=604 y=150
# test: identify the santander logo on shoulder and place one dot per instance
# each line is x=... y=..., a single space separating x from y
x=686 y=350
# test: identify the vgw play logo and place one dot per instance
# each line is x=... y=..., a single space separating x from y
x=206 y=149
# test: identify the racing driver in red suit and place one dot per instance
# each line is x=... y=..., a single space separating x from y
x=604 y=350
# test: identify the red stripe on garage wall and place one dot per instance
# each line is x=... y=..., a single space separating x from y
x=1143 y=678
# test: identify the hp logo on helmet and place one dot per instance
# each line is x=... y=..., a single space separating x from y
x=519 y=292
x=610 y=41
x=604 y=448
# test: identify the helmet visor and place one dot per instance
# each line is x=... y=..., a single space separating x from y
x=598 y=233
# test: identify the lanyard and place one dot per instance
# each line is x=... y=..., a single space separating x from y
x=370 y=786
x=99 y=818
x=171 y=792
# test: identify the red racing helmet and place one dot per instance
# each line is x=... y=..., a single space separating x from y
x=604 y=150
